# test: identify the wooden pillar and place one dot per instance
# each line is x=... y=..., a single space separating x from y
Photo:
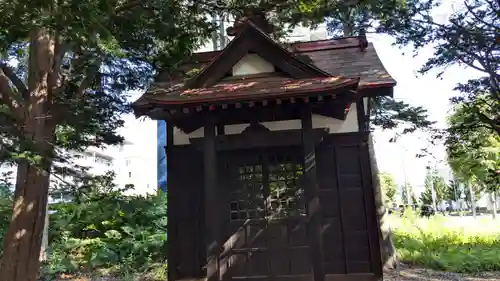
x=361 y=115
x=172 y=251
x=212 y=217
x=311 y=194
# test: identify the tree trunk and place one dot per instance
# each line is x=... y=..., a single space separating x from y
x=493 y=196
x=387 y=249
x=45 y=237
x=472 y=200
x=23 y=239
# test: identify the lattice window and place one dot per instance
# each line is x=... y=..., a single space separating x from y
x=247 y=201
x=268 y=190
x=285 y=194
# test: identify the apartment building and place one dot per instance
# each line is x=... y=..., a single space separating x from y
x=133 y=162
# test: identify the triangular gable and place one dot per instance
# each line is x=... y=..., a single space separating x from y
x=252 y=39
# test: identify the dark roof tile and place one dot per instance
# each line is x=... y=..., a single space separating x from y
x=353 y=62
x=270 y=87
x=345 y=59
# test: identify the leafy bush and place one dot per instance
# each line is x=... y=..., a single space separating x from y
x=5 y=204
x=108 y=230
x=435 y=243
x=102 y=229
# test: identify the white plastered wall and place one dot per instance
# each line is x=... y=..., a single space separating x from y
x=253 y=64
x=349 y=125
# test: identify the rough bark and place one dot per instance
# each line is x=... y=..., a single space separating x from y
x=23 y=239
x=387 y=249
x=44 y=255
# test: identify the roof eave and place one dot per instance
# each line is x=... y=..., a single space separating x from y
x=351 y=84
x=385 y=89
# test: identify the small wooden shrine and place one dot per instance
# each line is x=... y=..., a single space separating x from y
x=269 y=175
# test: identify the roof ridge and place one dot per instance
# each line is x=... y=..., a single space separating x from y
x=299 y=47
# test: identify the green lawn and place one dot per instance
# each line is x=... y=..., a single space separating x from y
x=448 y=243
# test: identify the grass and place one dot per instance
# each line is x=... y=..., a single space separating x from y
x=448 y=243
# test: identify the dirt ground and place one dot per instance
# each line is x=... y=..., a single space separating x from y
x=404 y=273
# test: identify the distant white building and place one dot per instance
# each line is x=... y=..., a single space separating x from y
x=134 y=162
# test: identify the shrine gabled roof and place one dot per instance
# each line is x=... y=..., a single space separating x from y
x=252 y=39
x=337 y=57
x=326 y=65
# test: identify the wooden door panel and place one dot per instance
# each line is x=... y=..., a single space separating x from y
x=265 y=227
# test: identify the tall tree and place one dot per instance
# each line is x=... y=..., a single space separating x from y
x=426 y=197
x=474 y=156
x=470 y=38
x=66 y=67
x=435 y=187
x=408 y=195
x=389 y=187
x=452 y=193
x=439 y=187
x=371 y=16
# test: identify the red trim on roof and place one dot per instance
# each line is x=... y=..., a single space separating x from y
x=340 y=43
x=376 y=85
x=318 y=45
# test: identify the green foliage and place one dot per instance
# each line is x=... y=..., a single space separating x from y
x=65 y=70
x=5 y=203
x=407 y=191
x=108 y=230
x=103 y=229
x=426 y=197
x=468 y=38
x=433 y=243
x=372 y=16
x=434 y=181
x=389 y=187
x=102 y=50
x=344 y=18
x=453 y=191
x=474 y=156
x=389 y=114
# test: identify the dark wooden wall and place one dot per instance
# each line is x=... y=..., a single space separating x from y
x=350 y=229
x=350 y=237
x=186 y=247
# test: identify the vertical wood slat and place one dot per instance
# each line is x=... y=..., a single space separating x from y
x=372 y=223
x=212 y=226
x=185 y=214
x=340 y=210
x=311 y=194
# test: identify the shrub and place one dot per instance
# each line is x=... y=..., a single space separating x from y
x=102 y=229
x=108 y=231
x=435 y=243
x=5 y=205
